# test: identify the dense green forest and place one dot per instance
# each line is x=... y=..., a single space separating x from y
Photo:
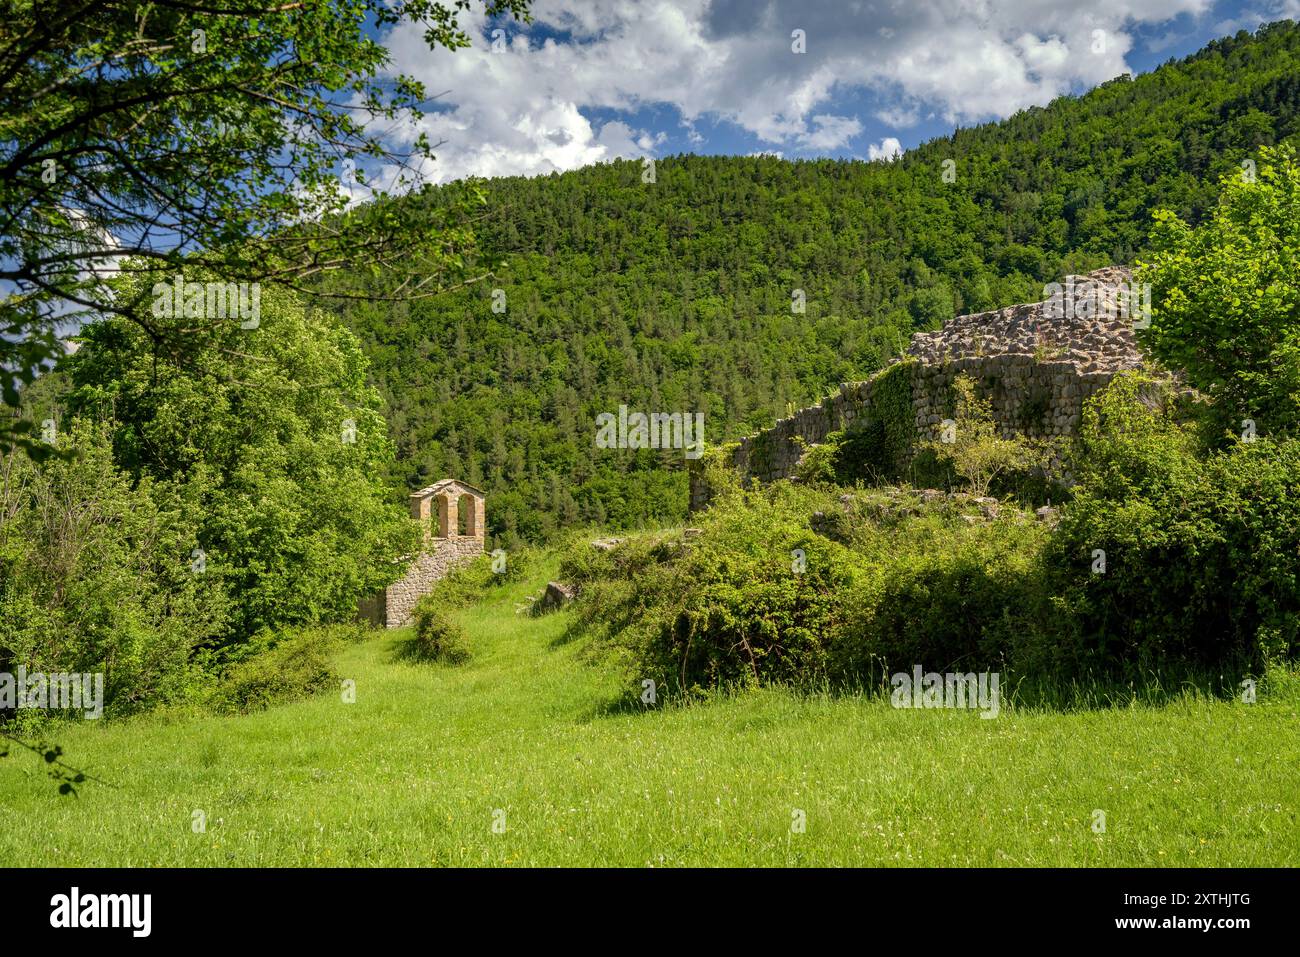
x=676 y=295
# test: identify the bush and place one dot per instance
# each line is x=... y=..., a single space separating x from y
x=977 y=453
x=964 y=599
x=276 y=667
x=727 y=606
x=1201 y=553
x=436 y=638
x=97 y=576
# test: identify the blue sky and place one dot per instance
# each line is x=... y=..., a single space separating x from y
x=591 y=80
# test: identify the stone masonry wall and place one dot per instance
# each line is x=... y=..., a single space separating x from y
x=398 y=600
x=1037 y=363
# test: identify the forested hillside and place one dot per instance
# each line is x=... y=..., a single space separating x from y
x=675 y=295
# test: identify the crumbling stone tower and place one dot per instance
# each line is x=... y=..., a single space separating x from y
x=453 y=515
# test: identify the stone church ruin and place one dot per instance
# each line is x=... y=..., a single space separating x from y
x=452 y=514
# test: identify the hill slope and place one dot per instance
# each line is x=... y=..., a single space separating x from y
x=676 y=295
x=413 y=771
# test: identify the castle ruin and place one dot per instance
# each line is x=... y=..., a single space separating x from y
x=1036 y=363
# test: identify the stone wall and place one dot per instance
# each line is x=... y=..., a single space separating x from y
x=1037 y=399
x=774 y=453
x=1036 y=363
x=394 y=606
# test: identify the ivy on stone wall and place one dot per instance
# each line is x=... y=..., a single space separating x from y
x=891 y=406
x=713 y=471
x=879 y=446
x=760 y=453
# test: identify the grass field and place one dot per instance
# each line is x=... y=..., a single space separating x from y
x=419 y=768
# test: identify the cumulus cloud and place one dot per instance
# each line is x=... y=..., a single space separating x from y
x=899 y=116
x=526 y=108
x=889 y=149
x=830 y=132
x=1258 y=13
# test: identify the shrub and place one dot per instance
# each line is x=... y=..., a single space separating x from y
x=1199 y=551
x=816 y=464
x=96 y=575
x=277 y=667
x=977 y=453
x=963 y=599
x=727 y=606
x=437 y=637
x=712 y=472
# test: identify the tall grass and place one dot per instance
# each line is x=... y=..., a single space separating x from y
x=537 y=732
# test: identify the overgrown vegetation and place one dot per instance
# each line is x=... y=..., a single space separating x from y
x=1197 y=551
x=281 y=667
x=1171 y=559
x=201 y=500
x=677 y=297
x=437 y=637
x=879 y=447
x=976 y=451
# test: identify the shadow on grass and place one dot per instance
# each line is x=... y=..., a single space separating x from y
x=581 y=625
x=1278 y=685
x=621 y=705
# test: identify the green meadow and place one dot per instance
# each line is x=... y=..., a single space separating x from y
x=524 y=757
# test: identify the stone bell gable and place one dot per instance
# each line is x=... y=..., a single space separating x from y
x=439 y=507
x=453 y=516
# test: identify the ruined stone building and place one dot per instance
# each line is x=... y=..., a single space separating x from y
x=453 y=517
x=1036 y=363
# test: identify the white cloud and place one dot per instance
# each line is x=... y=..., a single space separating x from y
x=1255 y=16
x=618 y=139
x=899 y=117
x=525 y=110
x=831 y=132
x=888 y=149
